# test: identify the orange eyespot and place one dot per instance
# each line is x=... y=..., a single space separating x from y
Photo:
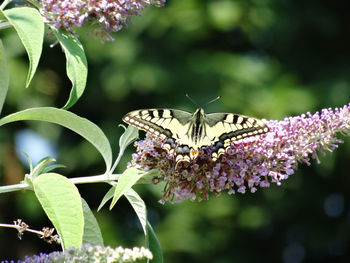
x=193 y=154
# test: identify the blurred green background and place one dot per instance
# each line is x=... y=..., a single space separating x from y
x=266 y=58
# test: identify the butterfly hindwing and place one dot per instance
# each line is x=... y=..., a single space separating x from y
x=223 y=128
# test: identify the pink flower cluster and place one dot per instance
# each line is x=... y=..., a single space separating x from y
x=249 y=163
x=108 y=15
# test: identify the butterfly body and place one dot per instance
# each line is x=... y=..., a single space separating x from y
x=186 y=133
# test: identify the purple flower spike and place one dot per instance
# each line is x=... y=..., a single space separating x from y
x=106 y=15
x=248 y=163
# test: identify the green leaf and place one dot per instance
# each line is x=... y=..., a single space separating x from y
x=151 y=239
x=34 y=3
x=53 y=167
x=125 y=182
x=130 y=134
x=30 y=162
x=146 y=178
x=29 y=25
x=61 y=202
x=107 y=196
x=92 y=232
x=139 y=206
x=3 y=17
x=4 y=76
x=128 y=137
x=154 y=245
x=41 y=166
x=82 y=126
x=76 y=65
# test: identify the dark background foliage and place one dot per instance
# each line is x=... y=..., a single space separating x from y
x=266 y=58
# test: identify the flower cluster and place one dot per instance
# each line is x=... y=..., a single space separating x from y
x=248 y=163
x=108 y=15
x=90 y=254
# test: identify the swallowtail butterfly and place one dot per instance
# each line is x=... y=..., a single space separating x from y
x=185 y=133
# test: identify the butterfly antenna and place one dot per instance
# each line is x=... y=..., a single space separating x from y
x=188 y=96
x=217 y=98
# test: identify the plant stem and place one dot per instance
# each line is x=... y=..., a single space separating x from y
x=18 y=227
x=121 y=152
x=14 y=187
x=4 y=4
x=104 y=178
x=5 y=25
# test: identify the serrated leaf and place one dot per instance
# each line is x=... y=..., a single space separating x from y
x=61 y=202
x=125 y=182
x=76 y=65
x=82 y=126
x=4 y=76
x=29 y=26
x=92 y=232
x=151 y=239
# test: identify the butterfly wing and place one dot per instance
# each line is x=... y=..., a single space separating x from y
x=189 y=132
x=164 y=123
x=173 y=125
x=223 y=128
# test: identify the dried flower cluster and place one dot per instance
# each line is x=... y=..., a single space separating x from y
x=90 y=254
x=107 y=15
x=249 y=163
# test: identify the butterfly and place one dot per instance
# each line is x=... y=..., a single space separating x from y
x=186 y=133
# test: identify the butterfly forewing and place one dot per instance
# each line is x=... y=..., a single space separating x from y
x=224 y=126
x=166 y=122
